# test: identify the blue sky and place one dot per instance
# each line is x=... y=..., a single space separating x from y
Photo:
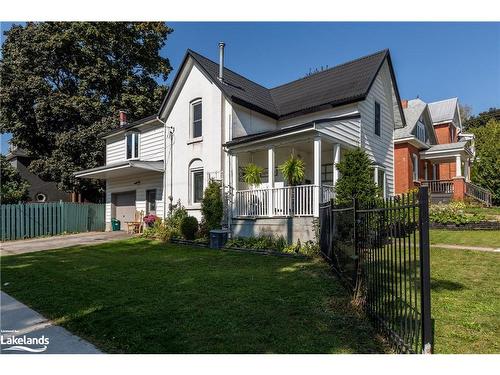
x=432 y=60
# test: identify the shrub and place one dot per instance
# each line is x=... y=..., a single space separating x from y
x=160 y=230
x=356 y=178
x=274 y=243
x=453 y=213
x=189 y=227
x=176 y=216
x=211 y=206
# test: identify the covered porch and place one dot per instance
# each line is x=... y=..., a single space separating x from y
x=274 y=197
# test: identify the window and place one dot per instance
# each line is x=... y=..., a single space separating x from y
x=197 y=186
x=379 y=177
x=196 y=181
x=151 y=201
x=421 y=132
x=196 y=119
x=327 y=174
x=414 y=163
x=451 y=134
x=132 y=140
x=377 y=118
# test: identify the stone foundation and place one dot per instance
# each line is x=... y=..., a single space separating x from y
x=292 y=228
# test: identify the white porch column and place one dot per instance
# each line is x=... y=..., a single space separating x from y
x=336 y=159
x=234 y=184
x=458 y=166
x=317 y=175
x=270 y=169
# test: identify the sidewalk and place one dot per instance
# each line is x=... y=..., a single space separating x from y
x=18 y=320
x=465 y=247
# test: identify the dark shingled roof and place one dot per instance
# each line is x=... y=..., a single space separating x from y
x=342 y=84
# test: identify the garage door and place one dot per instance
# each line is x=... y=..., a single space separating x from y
x=125 y=206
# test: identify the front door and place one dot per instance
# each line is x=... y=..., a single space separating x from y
x=125 y=206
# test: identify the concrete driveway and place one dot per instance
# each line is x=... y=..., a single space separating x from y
x=57 y=242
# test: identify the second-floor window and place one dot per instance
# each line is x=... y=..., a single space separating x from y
x=421 y=131
x=132 y=144
x=196 y=119
x=377 y=118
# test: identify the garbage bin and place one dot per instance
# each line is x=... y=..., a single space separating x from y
x=115 y=224
x=218 y=238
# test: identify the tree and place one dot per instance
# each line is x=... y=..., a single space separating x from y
x=481 y=119
x=486 y=167
x=62 y=84
x=465 y=111
x=13 y=188
x=211 y=207
x=356 y=178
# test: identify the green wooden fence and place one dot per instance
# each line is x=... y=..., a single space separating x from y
x=30 y=220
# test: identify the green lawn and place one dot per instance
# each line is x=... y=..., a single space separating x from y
x=487 y=238
x=466 y=301
x=138 y=296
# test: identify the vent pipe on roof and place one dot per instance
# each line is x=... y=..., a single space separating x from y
x=221 y=60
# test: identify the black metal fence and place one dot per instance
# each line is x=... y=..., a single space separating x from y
x=380 y=250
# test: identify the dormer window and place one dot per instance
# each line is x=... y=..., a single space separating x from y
x=421 y=132
x=132 y=145
x=196 y=119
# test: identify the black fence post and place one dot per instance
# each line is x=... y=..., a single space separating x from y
x=425 y=268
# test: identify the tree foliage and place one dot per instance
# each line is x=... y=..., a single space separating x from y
x=356 y=178
x=481 y=119
x=13 y=188
x=62 y=84
x=486 y=167
x=212 y=207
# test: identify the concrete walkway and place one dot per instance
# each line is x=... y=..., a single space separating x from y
x=57 y=242
x=465 y=247
x=19 y=321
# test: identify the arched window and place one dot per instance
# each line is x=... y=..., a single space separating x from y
x=196 y=114
x=196 y=181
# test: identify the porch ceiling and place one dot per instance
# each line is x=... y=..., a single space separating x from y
x=122 y=169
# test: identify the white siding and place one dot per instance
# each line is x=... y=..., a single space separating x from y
x=346 y=131
x=151 y=142
x=379 y=148
x=115 y=149
x=138 y=183
x=245 y=122
x=209 y=149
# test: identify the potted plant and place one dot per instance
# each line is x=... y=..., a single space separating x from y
x=252 y=174
x=293 y=171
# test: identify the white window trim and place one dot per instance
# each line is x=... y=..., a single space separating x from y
x=192 y=103
x=376 y=169
x=135 y=140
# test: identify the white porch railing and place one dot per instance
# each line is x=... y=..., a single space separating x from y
x=439 y=186
x=286 y=201
x=481 y=194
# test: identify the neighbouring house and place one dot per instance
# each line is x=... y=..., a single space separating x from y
x=40 y=191
x=214 y=121
x=432 y=150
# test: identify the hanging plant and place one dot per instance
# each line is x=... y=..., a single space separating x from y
x=252 y=174
x=293 y=170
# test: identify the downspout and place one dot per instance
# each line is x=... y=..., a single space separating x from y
x=171 y=130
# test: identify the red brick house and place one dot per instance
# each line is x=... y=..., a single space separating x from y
x=432 y=150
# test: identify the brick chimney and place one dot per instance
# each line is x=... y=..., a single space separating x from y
x=123 y=118
x=404 y=103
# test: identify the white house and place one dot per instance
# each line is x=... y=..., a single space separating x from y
x=214 y=121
